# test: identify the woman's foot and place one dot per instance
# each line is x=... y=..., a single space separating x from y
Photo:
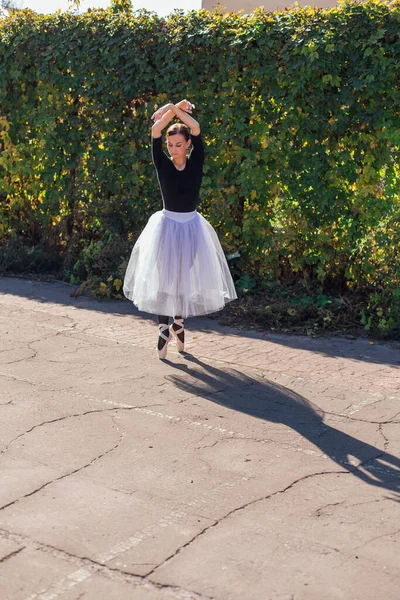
x=163 y=340
x=177 y=329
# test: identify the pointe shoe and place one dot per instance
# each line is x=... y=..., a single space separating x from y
x=179 y=345
x=162 y=328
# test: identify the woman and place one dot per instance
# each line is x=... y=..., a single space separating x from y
x=177 y=267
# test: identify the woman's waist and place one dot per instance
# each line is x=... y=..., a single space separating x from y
x=182 y=217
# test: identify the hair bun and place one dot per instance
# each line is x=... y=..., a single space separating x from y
x=179 y=128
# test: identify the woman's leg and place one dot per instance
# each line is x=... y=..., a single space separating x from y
x=164 y=321
x=175 y=327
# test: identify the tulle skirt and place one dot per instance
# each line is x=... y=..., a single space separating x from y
x=178 y=268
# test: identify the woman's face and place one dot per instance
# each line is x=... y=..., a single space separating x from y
x=177 y=145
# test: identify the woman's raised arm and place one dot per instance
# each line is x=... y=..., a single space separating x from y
x=187 y=119
x=168 y=112
x=162 y=122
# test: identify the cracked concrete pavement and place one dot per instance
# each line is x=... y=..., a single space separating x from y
x=254 y=467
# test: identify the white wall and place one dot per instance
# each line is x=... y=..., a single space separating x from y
x=249 y=5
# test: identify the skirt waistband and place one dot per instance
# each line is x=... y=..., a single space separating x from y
x=179 y=216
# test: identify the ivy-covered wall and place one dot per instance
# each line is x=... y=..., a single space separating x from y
x=300 y=111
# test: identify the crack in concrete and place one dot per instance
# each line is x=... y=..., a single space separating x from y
x=14 y=553
x=13 y=347
x=240 y=508
x=206 y=464
x=88 y=566
x=385 y=438
x=7 y=403
x=88 y=412
x=29 y=345
x=72 y=327
x=319 y=510
x=55 y=421
x=239 y=438
x=342 y=415
x=394 y=417
x=18 y=360
x=369 y=502
x=63 y=476
x=40 y=384
x=377 y=537
x=329 y=548
x=35 y=352
x=20 y=379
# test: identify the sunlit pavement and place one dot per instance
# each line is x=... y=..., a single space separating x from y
x=254 y=466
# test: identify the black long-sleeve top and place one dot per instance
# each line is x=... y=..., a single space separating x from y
x=179 y=189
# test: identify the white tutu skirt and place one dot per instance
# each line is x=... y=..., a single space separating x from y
x=178 y=268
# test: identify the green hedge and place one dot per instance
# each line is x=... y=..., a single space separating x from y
x=300 y=111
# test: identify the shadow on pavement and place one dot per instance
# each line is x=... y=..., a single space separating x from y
x=274 y=403
x=61 y=293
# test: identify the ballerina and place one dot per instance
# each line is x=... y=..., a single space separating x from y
x=177 y=267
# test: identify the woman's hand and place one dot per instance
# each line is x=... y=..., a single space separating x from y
x=186 y=106
x=161 y=112
x=183 y=105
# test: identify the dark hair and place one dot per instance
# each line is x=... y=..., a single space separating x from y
x=177 y=128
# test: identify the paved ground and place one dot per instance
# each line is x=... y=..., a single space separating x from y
x=256 y=467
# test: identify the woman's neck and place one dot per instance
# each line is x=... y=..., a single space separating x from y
x=180 y=163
